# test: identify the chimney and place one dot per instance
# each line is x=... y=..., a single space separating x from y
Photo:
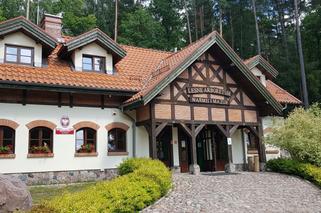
x=52 y=25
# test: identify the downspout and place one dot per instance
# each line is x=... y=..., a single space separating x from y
x=133 y=129
x=284 y=108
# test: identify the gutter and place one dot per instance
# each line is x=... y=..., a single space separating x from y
x=61 y=88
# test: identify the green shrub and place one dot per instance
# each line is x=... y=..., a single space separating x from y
x=300 y=135
x=131 y=164
x=292 y=167
x=143 y=181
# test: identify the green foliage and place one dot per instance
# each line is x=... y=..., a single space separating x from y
x=162 y=24
x=300 y=135
x=141 y=183
x=140 y=29
x=292 y=167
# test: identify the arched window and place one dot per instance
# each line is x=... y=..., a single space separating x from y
x=86 y=140
x=7 y=135
x=117 y=140
x=40 y=140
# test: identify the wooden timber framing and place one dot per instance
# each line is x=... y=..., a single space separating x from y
x=172 y=107
x=71 y=99
x=174 y=101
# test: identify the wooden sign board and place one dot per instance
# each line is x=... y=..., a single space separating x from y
x=207 y=100
x=208 y=90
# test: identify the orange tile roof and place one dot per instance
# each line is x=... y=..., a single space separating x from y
x=167 y=65
x=130 y=71
x=139 y=71
x=280 y=94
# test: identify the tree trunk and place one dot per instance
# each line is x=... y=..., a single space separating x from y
x=232 y=29
x=188 y=23
x=301 y=57
x=28 y=9
x=195 y=20
x=116 y=20
x=221 y=19
x=283 y=30
x=202 y=19
x=256 y=29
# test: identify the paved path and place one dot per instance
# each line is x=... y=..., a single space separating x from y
x=242 y=192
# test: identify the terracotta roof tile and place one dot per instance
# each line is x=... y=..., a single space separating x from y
x=167 y=65
x=130 y=71
x=280 y=94
x=139 y=71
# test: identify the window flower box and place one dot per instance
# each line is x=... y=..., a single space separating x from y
x=40 y=155
x=40 y=150
x=86 y=154
x=7 y=156
x=6 y=149
x=113 y=153
x=88 y=148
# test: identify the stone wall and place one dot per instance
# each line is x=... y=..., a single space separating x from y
x=64 y=177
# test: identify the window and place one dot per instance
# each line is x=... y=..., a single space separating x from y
x=93 y=63
x=40 y=140
x=7 y=136
x=19 y=55
x=86 y=140
x=117 y=140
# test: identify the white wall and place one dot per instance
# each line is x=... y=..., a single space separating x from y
x=64 y=145
x=175 y=146
x=20 y=39
x=237 y=148
x=259 y=73
x=91 y=49
x=142 y=142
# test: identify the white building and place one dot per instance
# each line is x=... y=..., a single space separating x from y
x=71 y=108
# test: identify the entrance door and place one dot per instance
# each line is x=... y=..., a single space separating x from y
x=164 y=146
x=184 y=151
x=206 y=150
x=221 y=152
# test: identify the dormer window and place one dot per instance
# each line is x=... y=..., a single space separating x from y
x=93 y=63
x=19 y=55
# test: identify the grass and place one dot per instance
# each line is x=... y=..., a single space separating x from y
x=44 y=193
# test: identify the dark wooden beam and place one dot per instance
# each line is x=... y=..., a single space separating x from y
x=199 y=129
x=71 y=100
x=225 y=132
x=160 y=128
x=102 y=101
x=24 y=97
x=153 y=147
x=59 y=99
x=233 y=129
x=186 y=129
x=194 y=151
x=262 y=154
x=254 y=131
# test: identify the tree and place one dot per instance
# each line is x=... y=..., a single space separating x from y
x=258 y=41
x=301 y=57
x=300 y=135
x=166 y=12
x=140 y=29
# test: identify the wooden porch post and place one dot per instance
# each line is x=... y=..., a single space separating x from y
x=262 y=154
x=194 y=153
x=228 y=132
x=152 y=135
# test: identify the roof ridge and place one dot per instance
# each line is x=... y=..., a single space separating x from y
x=30 y=22
x=146 y=48
x=193 y=43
